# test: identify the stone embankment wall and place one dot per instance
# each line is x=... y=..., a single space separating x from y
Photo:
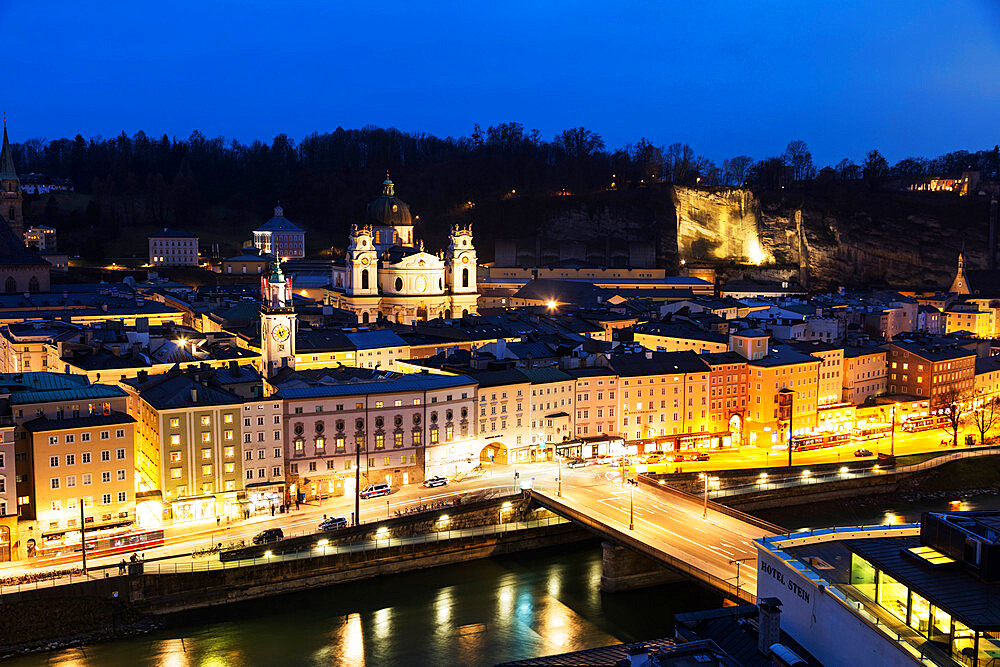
x=117 y=604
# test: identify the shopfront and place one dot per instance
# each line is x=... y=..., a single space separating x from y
x=193 y=509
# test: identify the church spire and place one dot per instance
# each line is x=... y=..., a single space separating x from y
x=7 y=171
x=387 y=187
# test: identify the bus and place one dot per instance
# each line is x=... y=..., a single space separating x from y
x=913 y=425
x=806 y=442
x=871 y=432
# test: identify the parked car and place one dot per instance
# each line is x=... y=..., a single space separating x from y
x=375 y=490
x=437 y=480
x=676 y=458
x=576 y=463
x=700 y=456
x=268 y=535
x=862 y=452
x=333 y=523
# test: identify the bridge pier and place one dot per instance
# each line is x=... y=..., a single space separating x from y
x=624 y=570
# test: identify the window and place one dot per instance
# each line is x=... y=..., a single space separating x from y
x=106 y=499
x=206 y=420
x=53 y=461
x=106 y=477
x=53 y=439
x=121 y=475
x=120 y=454
x=122 y=496
x=206 y=453
x=175 y=440
x=206 y=436
x=70 y=481
x=175 y=457
x=230 y=467
x=85 y=437
x=175 y=422
x=105 y=454
x=86 y=478
x=379 y=441
x=206 y=469
x=120 y=433
x=227 y=419
x=228 y=434
x=229 y=452
x=54 y=483
x=105 y=435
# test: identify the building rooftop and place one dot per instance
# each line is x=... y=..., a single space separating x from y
x=632 y=364
x=44 y=387
x=172 y=233
x=324 y=383
x=279 y=223
x=42 y=424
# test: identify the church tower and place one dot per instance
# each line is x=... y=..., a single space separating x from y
x=277 y=323
x=961 y=283
x=362 y=263
x=10 y=197
x=460 y=271
x=461 y=260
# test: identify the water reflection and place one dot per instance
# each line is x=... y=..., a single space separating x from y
x=477 y=613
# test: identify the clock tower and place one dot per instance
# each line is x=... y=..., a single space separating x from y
x=277 y=323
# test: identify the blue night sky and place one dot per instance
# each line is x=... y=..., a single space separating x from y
x=909 y=77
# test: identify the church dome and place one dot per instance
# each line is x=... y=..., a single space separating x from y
x=388 y=210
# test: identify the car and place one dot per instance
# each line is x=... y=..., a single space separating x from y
x=653 y=458
x=333 y=523
x=677 y=458
x=576 y=463
x=700 y=456
x=603 y=460
x=375 y=490
x=268 y=535
x=862 y=452
x=437 y=480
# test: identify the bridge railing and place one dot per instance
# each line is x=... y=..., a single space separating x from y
x=805 y=478
x=663 y=487
x=625 y=539
x=322 y=547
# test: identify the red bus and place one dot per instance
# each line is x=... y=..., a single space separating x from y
x=871 y=432
x=912 y=425
x=107 y=544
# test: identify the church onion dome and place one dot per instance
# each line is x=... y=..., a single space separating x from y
x=388 y=210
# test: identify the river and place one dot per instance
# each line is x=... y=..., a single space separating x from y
x=478 y=613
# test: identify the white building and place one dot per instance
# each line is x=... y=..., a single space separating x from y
x=263 y=453
x=173 y=247
x=280 y=237
x=388 y=274
x=40 y=237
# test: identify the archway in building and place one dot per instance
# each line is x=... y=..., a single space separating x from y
x=465 y=312
x=422 y=312
x=364 y=278
x=736 y=429
x=364 y=317
x=10 y=286
x=495 y=452
x=447 y=314
x=399 y=317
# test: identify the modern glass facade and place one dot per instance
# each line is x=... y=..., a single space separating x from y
x=964 y=644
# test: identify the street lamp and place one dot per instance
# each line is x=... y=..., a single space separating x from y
x=708 y=480
x=631 y=509
x=559 y=464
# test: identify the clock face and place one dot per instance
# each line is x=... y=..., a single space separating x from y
x=279 y=333
x=465 y=259
x=364 y=261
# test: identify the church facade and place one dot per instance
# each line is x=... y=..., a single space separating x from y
x=387 y=274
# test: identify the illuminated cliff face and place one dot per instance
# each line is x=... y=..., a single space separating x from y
x=719 y=224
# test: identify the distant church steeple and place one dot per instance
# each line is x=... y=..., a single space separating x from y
x=10 y=197
x=961 y=283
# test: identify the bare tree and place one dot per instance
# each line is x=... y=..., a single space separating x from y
x=737 y=169
x=985 y=414
x=797 y=154
x=955 y=405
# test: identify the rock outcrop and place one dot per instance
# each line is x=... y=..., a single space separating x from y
x=835 y=236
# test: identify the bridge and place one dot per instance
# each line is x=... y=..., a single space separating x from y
x=668 y=527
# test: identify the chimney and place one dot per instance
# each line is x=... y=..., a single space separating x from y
x=649 y=354
x=234 y=368
x=768 y=624
x=142 y=376
x=194 y=394
x=638 y=655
